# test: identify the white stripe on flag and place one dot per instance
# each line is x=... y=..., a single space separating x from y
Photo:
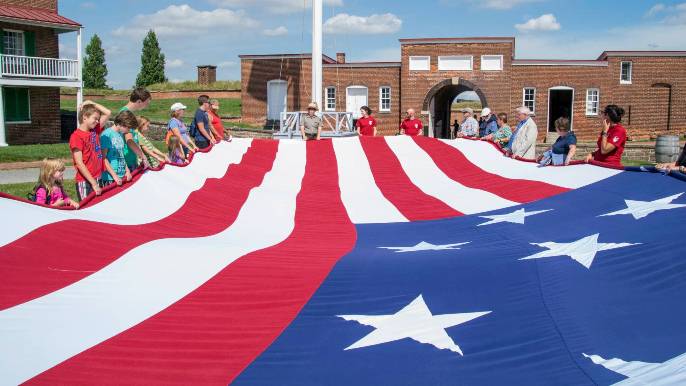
x=155 y=196
x=361 y=197
x=42 y=333
x=424 y=173
x=483 y=155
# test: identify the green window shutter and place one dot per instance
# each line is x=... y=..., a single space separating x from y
x=30 y=43
x=2 y=41
x=17 y=104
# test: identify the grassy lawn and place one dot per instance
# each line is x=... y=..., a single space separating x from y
x=633 y=162
x=158 y=111
x=21 y=190
x=26 y=153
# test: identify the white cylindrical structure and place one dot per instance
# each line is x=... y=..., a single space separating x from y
x=317 y=52
x=79 y=59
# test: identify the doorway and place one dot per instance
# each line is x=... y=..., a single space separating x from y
x=355 y=97
x=560 y=104
x=445 y=100
x=276 y=98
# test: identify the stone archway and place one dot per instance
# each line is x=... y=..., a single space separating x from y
x=439 y=99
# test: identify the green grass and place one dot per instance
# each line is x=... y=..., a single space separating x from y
x=474 y=105
x=633 y=162
x=189 y=85
x=21 y=190
x=26 y=153
x=158 y=110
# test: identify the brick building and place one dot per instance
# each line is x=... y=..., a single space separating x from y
x=650 y=85
x=31 y=71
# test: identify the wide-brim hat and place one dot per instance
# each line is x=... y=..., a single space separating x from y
x=313 y=105
x=467 y=110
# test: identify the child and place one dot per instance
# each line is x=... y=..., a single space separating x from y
x=176 y=154
x=177 y=128
x=85 y=149
x=49 y=190
x=113 y=148
x=155 y=157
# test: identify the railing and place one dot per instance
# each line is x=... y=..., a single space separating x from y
x=332 y=123
x=34 y=67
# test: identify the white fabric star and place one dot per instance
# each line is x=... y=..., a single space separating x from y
x=583 y=250
x=424 y=246
x=516 y=217
x=414 y=321
x=671 y=372
x=640 y=209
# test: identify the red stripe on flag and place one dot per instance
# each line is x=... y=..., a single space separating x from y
x=59 y=254
x=211 y=335
x=397 y=187
x=457 y=166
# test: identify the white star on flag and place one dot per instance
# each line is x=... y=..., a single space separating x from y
x=424 y=246
x=582 y=250
x=414 y=321
x=671 y=372
x=516 y=217
x=640 y=209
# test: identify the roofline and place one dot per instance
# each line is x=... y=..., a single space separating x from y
x=363 y=65
x=487 y=39
x=562 y=62
x=607 y=54
x=14 y=20
x=326 y=58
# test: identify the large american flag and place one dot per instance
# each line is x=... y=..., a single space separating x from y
x=358 y=261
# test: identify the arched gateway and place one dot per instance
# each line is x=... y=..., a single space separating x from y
x=439 y=99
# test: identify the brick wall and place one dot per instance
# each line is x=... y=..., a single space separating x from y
x=647 y=104
x=45 y=4
x=207 y=74
x=373 y=78
x=580 y=78
x=45 y=119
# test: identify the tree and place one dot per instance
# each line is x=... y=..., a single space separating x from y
x=94 y=67
x=152 y=62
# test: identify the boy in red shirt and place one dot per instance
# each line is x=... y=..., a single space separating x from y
x=411 y=125
x=84 y=144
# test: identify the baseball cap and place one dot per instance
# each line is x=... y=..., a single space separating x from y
x=485 y=111
x=178 y=106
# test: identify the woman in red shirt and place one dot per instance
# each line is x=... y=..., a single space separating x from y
x=216 y=121
x=612 y=139
x=366 y=125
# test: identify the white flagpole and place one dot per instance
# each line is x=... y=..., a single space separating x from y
x=317 y=52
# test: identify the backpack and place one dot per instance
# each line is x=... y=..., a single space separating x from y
x=32 y=196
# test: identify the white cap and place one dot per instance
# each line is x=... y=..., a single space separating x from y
x=467 y=110
x=485 y=111
x=178 y=106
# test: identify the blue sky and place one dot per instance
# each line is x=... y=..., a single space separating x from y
x=217 y=31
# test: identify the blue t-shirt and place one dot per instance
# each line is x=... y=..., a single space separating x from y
x=177 y=124
x=113 y=141
x=200 y=116
x=561 y=146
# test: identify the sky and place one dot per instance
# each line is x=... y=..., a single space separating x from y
x=217 y=31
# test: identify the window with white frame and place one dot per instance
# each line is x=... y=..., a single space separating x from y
x=529 y=98
x=455 y=63
x=625 y=75
x=491 y=63
x=330 y=99
x=384 y=98
x=592 y=101
x=13 y=43
x=420 y=63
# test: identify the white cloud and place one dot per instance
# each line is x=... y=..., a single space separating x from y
x=546 y=22
x=279 y=31
x=655 y=9
x=183 y=20
x=274 y=6
x=67 y=51
x=113 y=49
x=226 y=64
x=174 y=63
x=367 y=25
x=490 y=4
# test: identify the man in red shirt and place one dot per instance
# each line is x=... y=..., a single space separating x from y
x=411 y=125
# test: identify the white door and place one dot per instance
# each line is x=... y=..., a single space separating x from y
x=355 y=97
x=276 y=98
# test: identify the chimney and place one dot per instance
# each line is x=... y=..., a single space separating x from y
x=207 y=74
x=340 y=57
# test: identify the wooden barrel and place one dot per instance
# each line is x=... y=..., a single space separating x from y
x=667 y=148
